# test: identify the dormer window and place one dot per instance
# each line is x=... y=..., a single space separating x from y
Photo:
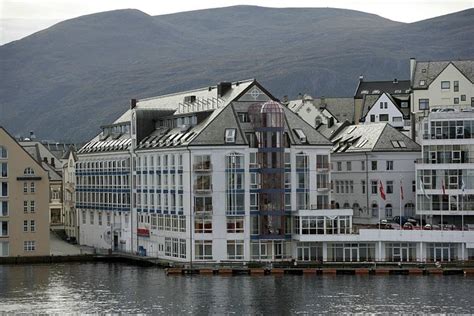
x=422 y=82
x=230 y=135
x=364 y=92
x=301 y=135
x=376 y=92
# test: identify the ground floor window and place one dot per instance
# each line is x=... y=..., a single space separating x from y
x=55 y=216
x=203 y=249
x=4 y=249
x=309 y=251
x=235 y=249
x=442 y=252
x=470 y=254
x=29 y=245
x=396 y=252
x=270 y=250
x=350 y=252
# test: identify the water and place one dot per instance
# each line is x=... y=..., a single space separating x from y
x=101 y=287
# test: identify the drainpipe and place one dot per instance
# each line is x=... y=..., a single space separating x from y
x=367 y=181
x=190 y=213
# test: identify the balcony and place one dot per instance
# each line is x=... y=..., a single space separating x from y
x=322 y=166
x=202 y=190
x=207 y=209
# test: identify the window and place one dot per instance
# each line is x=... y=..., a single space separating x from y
x=32 y=187
x=32 y=226
x=456 y=100
x=25 y=187
x=413 y=186
x=388 y=209
x=83 y=217
x=389 y=188
x=383 y=117
x=404 y=104
x=389 y=164
x=202 y=163
x=463 y=97
x=4 y=189
x=3 y=152
x=456 y=86
x=339 y=166
x=373 y=186
x=363 y=186
x=374 y=164
x=422 y=82
x=235 y=249
x=362 y=165
x=25 y=206
x=235 y=225
x=32 y=206
x=230 y=135
x=203 y=249
x=424 y=104
x=445 y=85
x=372 y=118
x=100 y=218
x=25 y=226
x=91 y=214
x=3 y=170
x=301 y=135
x=28 y=172
x=472 y=101
x=349 y=165
x=29 y=245
x=322 y=161
x=203 y=225
x=243 y=117
x=4 y=208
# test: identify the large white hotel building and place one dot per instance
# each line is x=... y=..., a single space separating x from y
x=226 y=173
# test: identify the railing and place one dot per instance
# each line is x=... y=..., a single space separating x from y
x=436 y=162
x=322 y=165
x=203 y=209
x=203 y=190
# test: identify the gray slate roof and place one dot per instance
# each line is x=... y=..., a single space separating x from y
x=341 y=108
x=430 y=70
x=392 y=87
x=376 y=137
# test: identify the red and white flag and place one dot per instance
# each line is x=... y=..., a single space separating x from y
x=401 y=190
x=382 y=191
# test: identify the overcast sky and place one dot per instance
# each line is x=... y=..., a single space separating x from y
x=19 y=18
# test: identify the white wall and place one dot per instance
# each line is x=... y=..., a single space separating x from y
x=391 y=110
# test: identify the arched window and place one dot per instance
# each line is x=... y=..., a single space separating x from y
x=346 y=205
x=409 y=209
x=3 y=152
x=375 y=209
x=28 y=172
x=388 y=210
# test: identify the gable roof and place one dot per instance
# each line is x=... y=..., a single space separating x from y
x=430 y=70
x=376 y=137
x=371 y=100
x=393 y=87
x=341 y=108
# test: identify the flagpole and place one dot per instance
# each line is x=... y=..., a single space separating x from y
x=401 y=193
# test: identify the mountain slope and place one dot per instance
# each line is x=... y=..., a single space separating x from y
x=65 y=81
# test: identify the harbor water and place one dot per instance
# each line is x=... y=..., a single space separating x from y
x=115 y=287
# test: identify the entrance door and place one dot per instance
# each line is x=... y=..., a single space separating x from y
x=351 y=254
x=404 y=254
x=396 y=254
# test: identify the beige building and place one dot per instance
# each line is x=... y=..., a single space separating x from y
x=24 y=201
x=71 y=224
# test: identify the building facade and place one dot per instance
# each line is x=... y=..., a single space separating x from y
x=445 y=173
x=213 y=175
x=24 y=200
x=71 y=219
x=366 y=157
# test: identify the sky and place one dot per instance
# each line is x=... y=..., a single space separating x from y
x=19 y=18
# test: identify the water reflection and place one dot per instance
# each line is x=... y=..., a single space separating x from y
x=94 y=288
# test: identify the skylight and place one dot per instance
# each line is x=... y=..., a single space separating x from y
x=301 y=135
x=230 y=135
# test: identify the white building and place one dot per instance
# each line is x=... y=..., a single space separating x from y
x=71 y=219
x=364 y=156
x=215 y=176
x=447 y=160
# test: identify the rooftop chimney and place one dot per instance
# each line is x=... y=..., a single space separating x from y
x=300 y=96
x=52 y=162
x=361 y=78
x=133 y=103
x=223 y=87
x=395 y=80
x=32 y=135
x=412 y=69
x=323 y=103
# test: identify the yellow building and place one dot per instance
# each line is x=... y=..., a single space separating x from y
x=24 y=201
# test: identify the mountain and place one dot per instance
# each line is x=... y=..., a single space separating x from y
x=67 y=80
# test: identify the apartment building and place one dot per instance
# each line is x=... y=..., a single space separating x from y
x=24 y=200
